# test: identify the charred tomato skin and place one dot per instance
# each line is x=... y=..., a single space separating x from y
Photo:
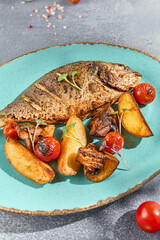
x=144 y=93
x=47 y=149
x=112 y=140
x=10 y=130
x=148 y=216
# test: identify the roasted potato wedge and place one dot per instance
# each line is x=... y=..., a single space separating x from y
x=26 y=163
x=69 y=147
x=132 y=118
x=98 y=165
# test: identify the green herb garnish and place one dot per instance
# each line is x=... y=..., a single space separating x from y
x=40 y=122
x=74 y=136
x=115 y=112
x=3 y=114
x=64 y=77
x=126 y=109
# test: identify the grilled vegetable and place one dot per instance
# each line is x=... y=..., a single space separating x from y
x=132 y=119
x=28 y=132
x=103 y=123
x=112 y=142
x=72 y=139
x=26 y=163
x=98 y=165
x=144 y=93
x=10 y=130
x=47 y=149
x=95 y=86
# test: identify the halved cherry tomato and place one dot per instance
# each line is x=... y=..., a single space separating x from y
x=74 y=1
x=144 y=93
x=47 y=149
x=148 y=216
x=10 y=130
x=112 y=140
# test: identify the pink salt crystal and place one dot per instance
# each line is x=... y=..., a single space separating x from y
x=60 y=17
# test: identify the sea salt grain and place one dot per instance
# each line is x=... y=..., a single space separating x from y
x=64 y=27
x=22 y=2
x=79 y=16
x=60 y=17
x=54 y=26
x=52 y=13
x=44 y=16
x=12 y=8
x=55 y=34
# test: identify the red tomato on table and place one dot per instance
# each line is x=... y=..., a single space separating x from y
x=74 y=1
x=148 y=216
x=10 y=130
x=47 y=149
x=112 y=140
x=144 y=93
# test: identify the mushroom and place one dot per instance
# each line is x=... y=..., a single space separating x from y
x=103 y=123
x=98 y=165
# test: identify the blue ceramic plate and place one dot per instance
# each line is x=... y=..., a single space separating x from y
x=76 y=193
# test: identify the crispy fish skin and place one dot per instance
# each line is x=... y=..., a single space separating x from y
x=51 y=101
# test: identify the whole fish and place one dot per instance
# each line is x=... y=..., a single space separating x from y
x=82 y=89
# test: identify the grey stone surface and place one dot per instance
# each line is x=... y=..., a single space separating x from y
x=129 y=22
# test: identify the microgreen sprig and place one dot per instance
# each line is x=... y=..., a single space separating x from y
x=74 y=136
x=3 y=114
x=120 y=116
x=64 y=77
x=40 y=122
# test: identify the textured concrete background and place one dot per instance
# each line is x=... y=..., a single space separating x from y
x=132 y=23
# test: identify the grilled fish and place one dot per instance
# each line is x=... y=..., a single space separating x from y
x=53 y=100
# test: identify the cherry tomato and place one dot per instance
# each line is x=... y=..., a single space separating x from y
x=10 y=130
x=144 y=93
x=148 y=216
x=47 y=149
x=112 y=140
x=74 y=1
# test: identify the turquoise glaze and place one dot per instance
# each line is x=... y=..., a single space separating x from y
x=142 y=155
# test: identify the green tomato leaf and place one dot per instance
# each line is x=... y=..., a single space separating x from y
x=62 y=77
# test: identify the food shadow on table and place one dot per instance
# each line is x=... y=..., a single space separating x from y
x=30 y=224
x=127 y=226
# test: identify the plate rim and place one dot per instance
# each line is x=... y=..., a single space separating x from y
x=100 y=202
